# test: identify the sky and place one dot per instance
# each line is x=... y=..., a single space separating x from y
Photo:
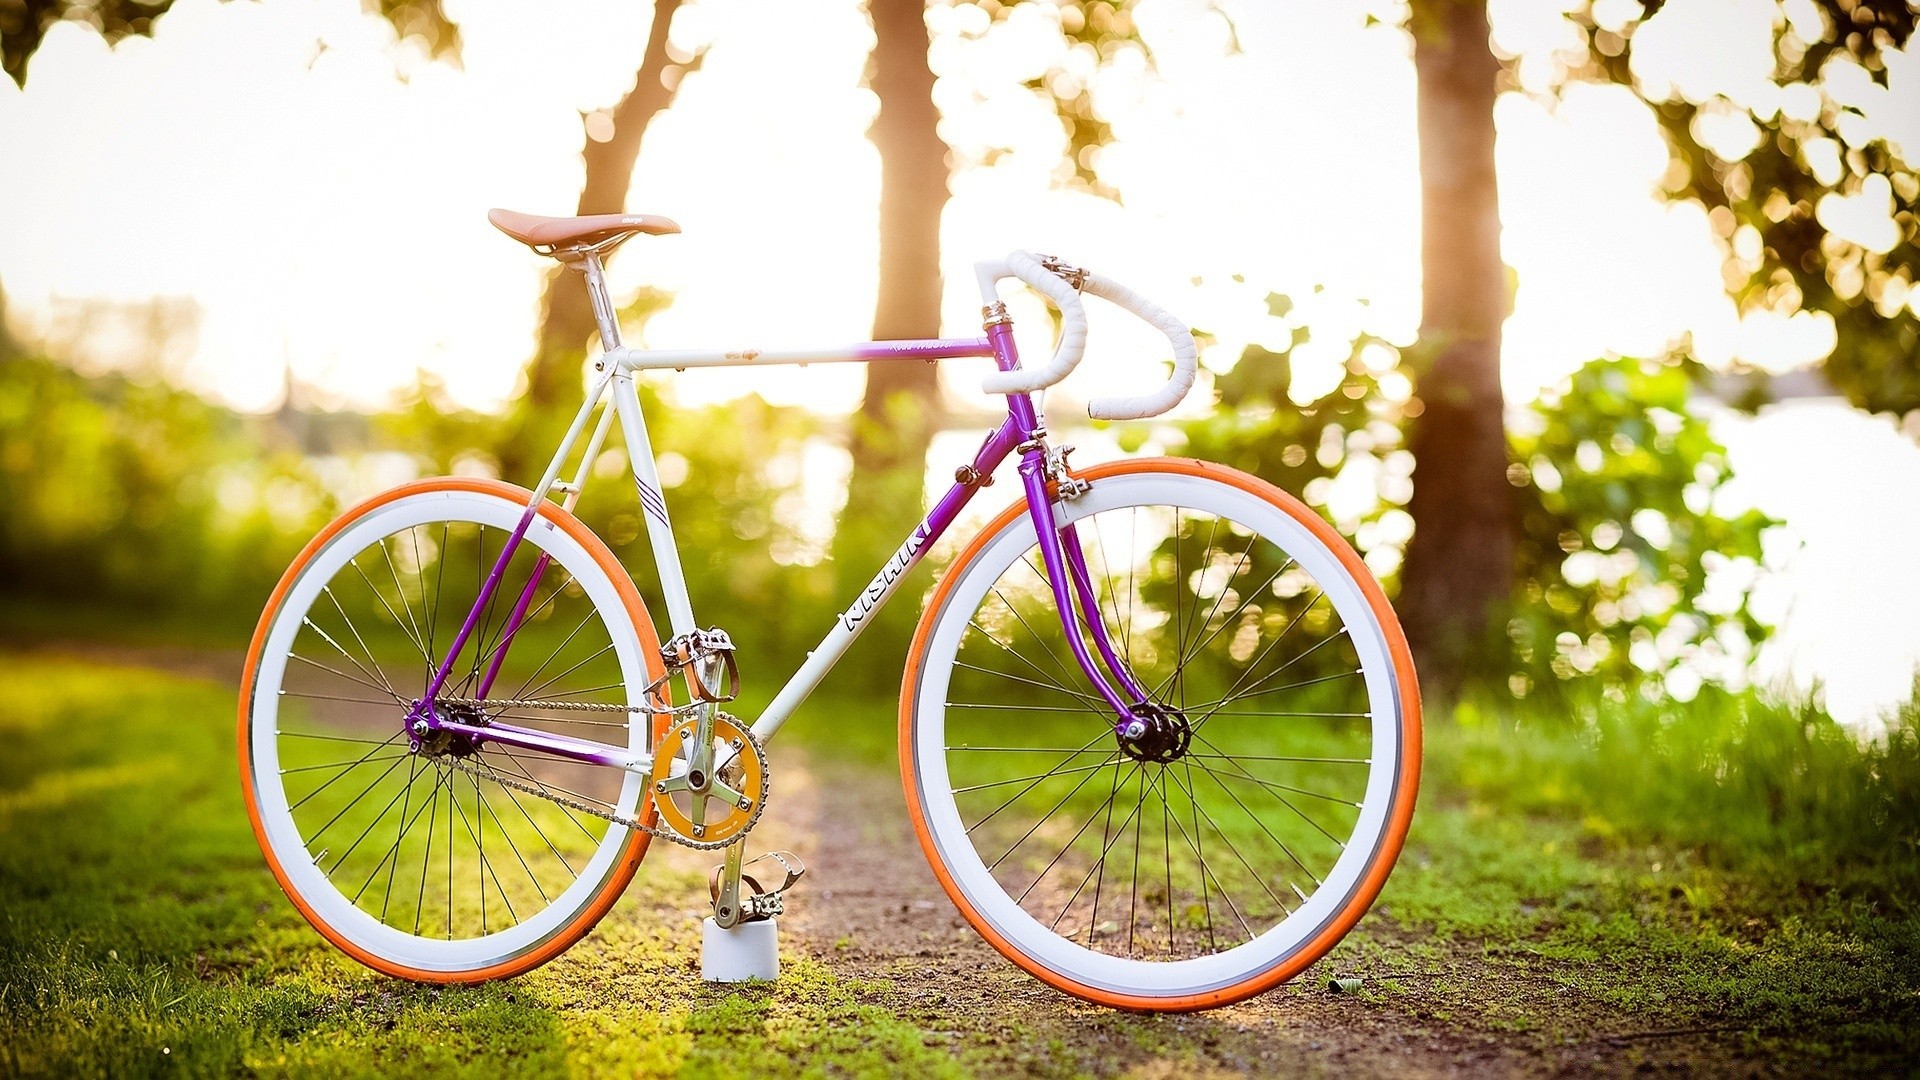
x=317 y=192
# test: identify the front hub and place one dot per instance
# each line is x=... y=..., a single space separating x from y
x=1166 y=737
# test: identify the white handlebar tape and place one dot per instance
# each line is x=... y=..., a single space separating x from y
x=1073 y=338
x=1073 y=326
x=1186 y=355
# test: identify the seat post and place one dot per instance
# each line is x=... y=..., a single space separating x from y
x=603 y=312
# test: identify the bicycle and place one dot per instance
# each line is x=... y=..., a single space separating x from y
x=1156 y=637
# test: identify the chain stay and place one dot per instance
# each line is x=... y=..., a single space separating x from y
x=536 y=789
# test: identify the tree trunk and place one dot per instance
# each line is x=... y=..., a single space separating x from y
x=1459 y=567
x=566 y=324
x=901 y=408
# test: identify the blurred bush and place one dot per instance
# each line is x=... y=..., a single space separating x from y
x=135 y=497
x=1635 y=564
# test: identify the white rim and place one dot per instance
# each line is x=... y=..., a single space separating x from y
x=1147 y=978
x=327 y=903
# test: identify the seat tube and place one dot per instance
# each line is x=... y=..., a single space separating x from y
x=1033 y=478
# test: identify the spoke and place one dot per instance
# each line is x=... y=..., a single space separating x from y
x=562 y=647
x=534 y=694
x=1206 y=869
x=1245 y=602
x=1248 y=811
x=1233 y=849
x=377 y=819
x=1276 y=786
x=433 y=801
x=1034 y=749
x=1133 y=889
x=391 y=860
x=1106 y=578
x=351 y=803
x=1074 y=839
x=1277 y=689
x=1179 y=684
x=335 y=697
x=338 y=765
x=1206 y=901
x=355 y=631
x=568 y=812
x=1023 y=708
x=1087 y=698
x=1111 y=838
x=328 y=638
x=428 y=604
x=479 y=845
x=334 y=738
x=335 y=671
x=1023 y=791
x=1106 y=841
x=515 y=848
x=1335 y=715
x=1024 y=779
x=1281 y=757
x=439 y=587
x=1267 y=649
x=1042 y=819
x=1283 y=799
x=382 y=597
x=449 y=856
x=363 y=757
x=1335 y=636
x=1038 y=670
x=1065 y=671
x=1200 y=628
x=405 y=604
x=530 y=616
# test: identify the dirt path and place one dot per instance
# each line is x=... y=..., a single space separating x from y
x=871 y=912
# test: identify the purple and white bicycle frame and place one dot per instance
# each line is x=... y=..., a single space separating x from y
x=1023 y=433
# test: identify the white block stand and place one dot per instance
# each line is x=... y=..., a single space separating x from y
x=748 y=951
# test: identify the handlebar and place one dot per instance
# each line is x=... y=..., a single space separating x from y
x=1053 y=281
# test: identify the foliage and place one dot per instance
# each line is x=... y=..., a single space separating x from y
x=1776 y=172
x=1095 y=34
x=24 y=23
x=135 y=495
x=1632 y=562
x=1343 y=451
x=1633 y=565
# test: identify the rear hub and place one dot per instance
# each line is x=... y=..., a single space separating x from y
x=440 y=742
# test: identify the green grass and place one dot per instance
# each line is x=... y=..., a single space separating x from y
x=1697 y=885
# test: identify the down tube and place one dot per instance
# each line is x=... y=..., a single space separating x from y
x=849 y=624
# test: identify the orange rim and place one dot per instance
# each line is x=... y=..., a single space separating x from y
x=629 y=861
x=1404 y=793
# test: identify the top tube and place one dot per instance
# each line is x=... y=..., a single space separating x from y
x=862 y=353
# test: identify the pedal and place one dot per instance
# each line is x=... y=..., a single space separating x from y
x=758 y=901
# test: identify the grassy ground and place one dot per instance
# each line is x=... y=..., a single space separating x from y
x=1673 y=889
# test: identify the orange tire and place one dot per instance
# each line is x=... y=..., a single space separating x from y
x=1404 y=788
x=628 y=858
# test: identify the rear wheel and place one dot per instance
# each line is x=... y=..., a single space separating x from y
x=1239 y=840
x=439 y=859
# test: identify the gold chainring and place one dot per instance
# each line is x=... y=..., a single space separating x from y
x=732 y=797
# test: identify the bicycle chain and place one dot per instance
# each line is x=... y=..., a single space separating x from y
x=760 y=804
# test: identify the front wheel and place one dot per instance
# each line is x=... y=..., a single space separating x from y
x=1236 y=846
